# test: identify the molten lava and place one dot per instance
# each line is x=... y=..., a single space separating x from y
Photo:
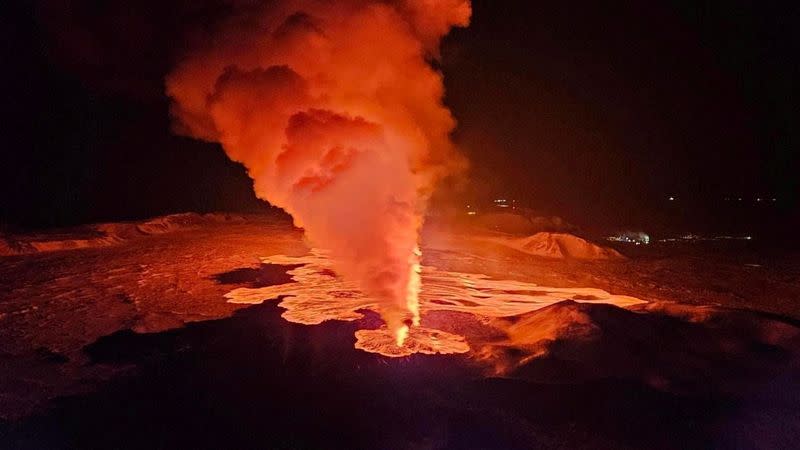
x=412 y=295
x=316 y=295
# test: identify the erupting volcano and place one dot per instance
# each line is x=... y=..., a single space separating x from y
x=257 y=224
x=338 y=117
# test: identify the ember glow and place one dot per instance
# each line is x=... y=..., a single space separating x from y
x=338 y=118
x=316 y=295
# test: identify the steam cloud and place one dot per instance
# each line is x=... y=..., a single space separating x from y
x=338 y=117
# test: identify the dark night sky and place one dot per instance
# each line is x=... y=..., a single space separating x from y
x=585 y=109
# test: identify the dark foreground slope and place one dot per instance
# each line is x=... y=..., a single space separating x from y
x=256 y=381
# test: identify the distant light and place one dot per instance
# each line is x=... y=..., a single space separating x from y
x=471 y=213
x=758 y=199
x=503 y=206
x=740 y=198
x=672 y=199
x=630 y=237
x=774 y=199
x=468 y=206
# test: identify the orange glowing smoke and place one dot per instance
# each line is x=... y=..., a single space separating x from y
x=338 y=118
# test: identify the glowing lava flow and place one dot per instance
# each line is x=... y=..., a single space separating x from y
x=412 y=297
x=317 y=294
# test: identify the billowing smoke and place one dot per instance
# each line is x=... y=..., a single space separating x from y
x=338 y=117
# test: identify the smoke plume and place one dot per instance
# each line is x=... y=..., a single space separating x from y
x=338 y=117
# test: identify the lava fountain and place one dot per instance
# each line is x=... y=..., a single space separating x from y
x=338 y=117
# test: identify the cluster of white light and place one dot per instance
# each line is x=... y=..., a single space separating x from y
x=503 y=203
x=631 y=238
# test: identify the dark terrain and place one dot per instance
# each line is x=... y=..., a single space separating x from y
x=132 y=345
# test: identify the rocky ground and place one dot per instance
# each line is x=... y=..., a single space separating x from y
x=127 y=339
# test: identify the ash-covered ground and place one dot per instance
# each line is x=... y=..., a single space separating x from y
x=135 y=335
